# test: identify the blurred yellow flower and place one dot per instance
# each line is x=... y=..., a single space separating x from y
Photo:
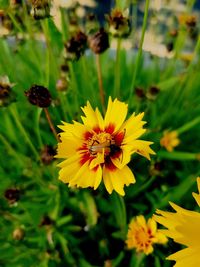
x=143 y=235
x=170 y=140
x=101 y=148
x=184 y=228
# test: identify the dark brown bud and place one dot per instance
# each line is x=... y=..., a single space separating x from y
x=46 y=220
x=170 y=46
x=18 y=234
x=12 y=195
x=156 y=169
x=64 y=69
x=76 y=46
x=140 y=93
x=41 y=9
x=47 y=154
x=99 y=42
x=153 y=90
x=191 y=21
x=61 y=84
x=39 y=95
x=7 y=96
x=119 y=24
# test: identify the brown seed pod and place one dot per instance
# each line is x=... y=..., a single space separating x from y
x=119 y=25
x=39 y=96
x=76 y=46
x=47 y=154
x=99 y=42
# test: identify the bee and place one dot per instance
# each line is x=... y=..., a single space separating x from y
x=109 y=147
x=97 y=147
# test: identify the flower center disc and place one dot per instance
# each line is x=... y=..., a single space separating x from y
x=100 y=143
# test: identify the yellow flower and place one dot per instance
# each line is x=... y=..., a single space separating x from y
x=184 y=228
x=101 y=148
x=170 y=140
x=142 y=235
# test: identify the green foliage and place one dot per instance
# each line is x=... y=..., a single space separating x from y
x=64 y=226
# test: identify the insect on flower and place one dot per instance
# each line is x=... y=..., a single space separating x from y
x=101 y=148
x=108 y=147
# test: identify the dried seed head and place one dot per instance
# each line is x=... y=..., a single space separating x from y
x=170 y=46
x=18 y=234
x=41 y=9
x=47 y=154
x=191 y=21
x=140 y=93
x=119 y=24
x=12 y=195
x=76 y=46
x=99 y=42
x=7 y=96
x=39 y=95
x=5 y=21
x=46 y=220
x=152 y=92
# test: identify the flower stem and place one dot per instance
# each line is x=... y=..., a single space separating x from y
x=177 y=155
x=188 y=125
x=38 y=127
x=11 y=151
x=100 y=80
x=139 y=55
x=15 y=116
x=51 y=124
x=117 y=70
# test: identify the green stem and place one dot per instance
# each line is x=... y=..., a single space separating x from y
x=15 y=116
x=37 y=128
x=117 y=70
x=144 y=186
x=87 y=78
x=74 y=85
x=188 y=125
x=11 y=151
x=100 y=81
x=139 y=55
x=15 y=22
x=177 y=155
x=45 y=27
x=120 y=213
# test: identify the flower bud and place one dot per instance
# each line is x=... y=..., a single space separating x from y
x=12 y=195
x=18 y=234
x=41 y=9
x=99 y=42
x=76 y=46
x=7 y=96
x=119 y=24
x=39 y=95
x=47 y=154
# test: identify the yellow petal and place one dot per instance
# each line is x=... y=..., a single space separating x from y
x=142 y=148
x=115 y=114
x=116 y=179
x=92 y=118
x=133 y=127
x=107 y=181
x=69 y=168
x=86 y=177
x=123 y=159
